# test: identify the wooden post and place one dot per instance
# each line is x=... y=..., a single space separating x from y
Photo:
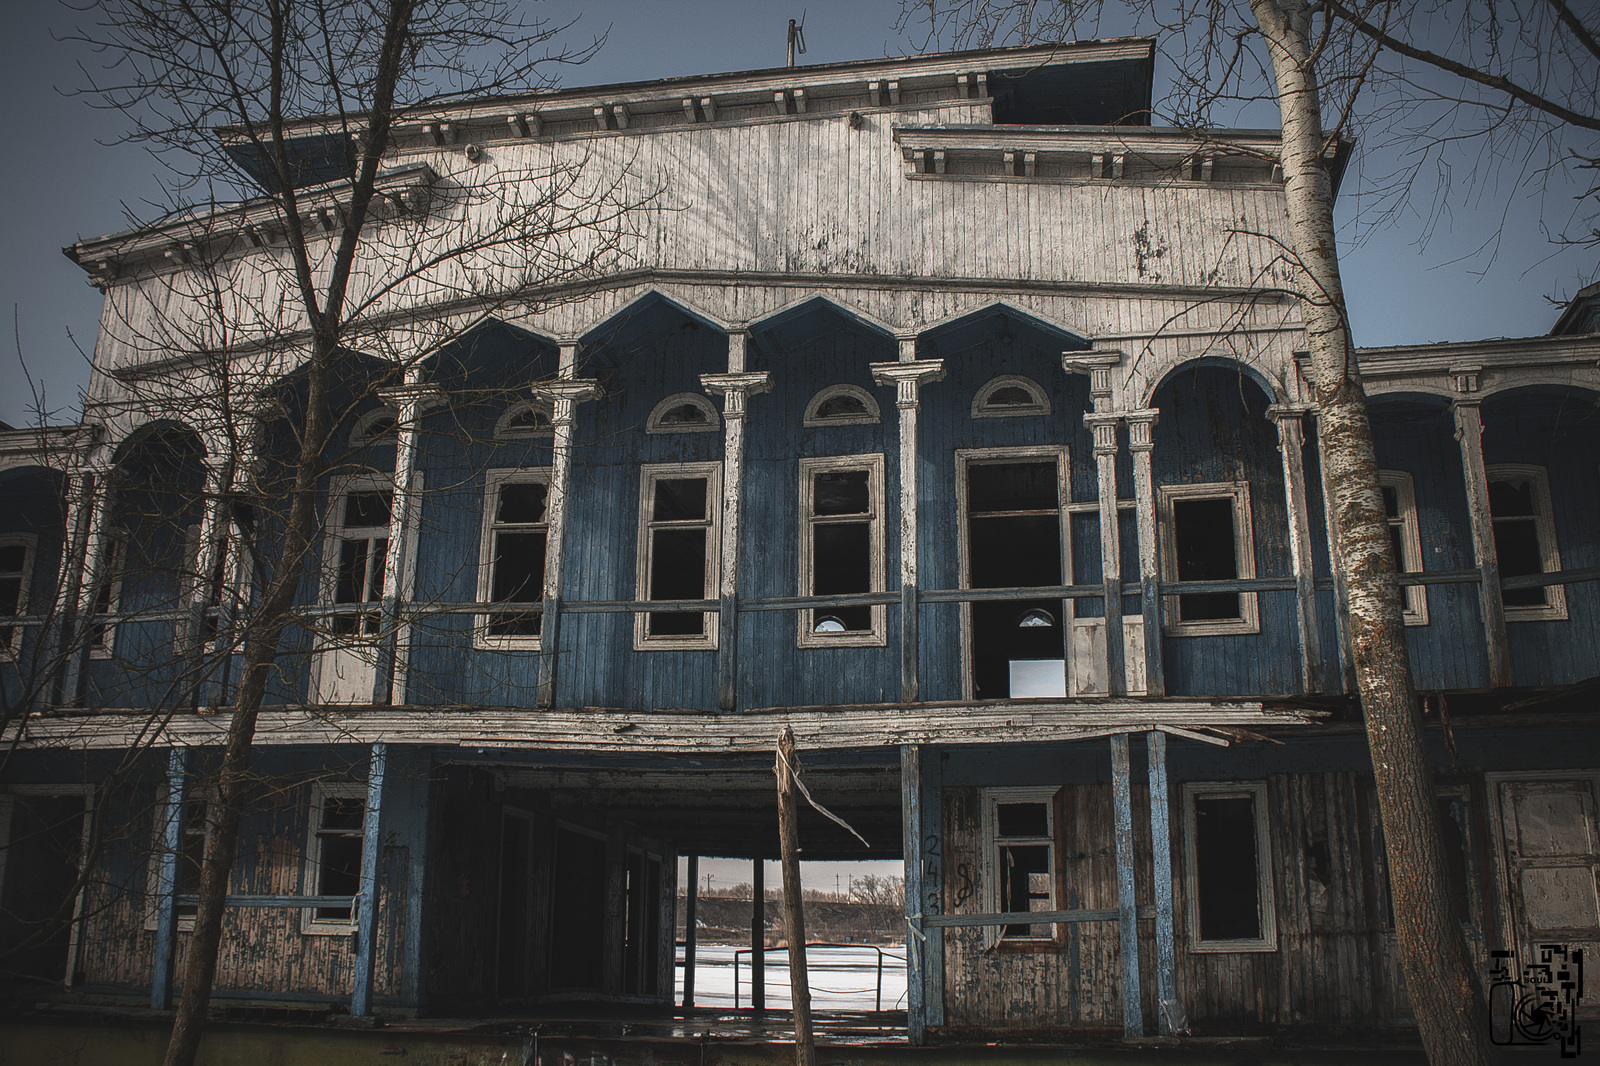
x=563 y=396
x=691 y=906
x=1127 y=901
x=1291 y=443
x=94 y=572
x=367 y=899
x=736 y=389
x=84 y=487
x=758 y=938
x=794 y=917
x=907 y=376
x=1341 y=599
x=911 y=848
x=1169 y=1013
x=167 y=885
x=1141 y=444
x=931 y=813
x=1105 y=457
x=1469 y=432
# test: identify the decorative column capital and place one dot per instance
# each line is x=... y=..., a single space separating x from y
x=1140 y=425
x=1105 y=432
x=908 y=378
x=1287 y=412
x=1466 y=379
x=1098 y=365
x=418 y=397
x=736 y=389
x=572 y=390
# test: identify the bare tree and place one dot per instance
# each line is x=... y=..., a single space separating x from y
x=1506 y=79
x=295 y=245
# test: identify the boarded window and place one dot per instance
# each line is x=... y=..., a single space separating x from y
x=1229 y=881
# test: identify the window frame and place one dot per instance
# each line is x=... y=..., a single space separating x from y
x=321 y=792
x=649 y=474
x=503 y=429
x=202 y=797
x=114 y=559
x=1413 y=597
x=994 y=935
x=813 y=420
x=334 y=535
x=362 y=435
x=1244 y=550
x=873 y=464
x=981 y=407
x=11 y=644
x=1554 y=608
x=1266 y=898
x=492 y=480
x=713 y=423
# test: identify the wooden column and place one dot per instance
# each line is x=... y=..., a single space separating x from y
x=167 y=884
x=1127 y=901
x=1469 y=432
x=84 y=486
x=691 y=901
x=367 y=899
x=911 y=799
x=1291 y=442
x=1169 y=1013
x=735 y=387
x=409 y=401
x=908 y=376
x=794 y=916
x=94 y=573
x=1141 y=444
x=1341 y=600
x=758 y=937
x=1104 y=427
x=563 y=396
x=931 y=812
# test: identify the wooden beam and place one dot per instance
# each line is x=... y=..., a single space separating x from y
x=167 y=885
x=794 y=916
x=758 y=936
x=366 y=904
x=911 y=850
x=691 y=907
x=1169 y=1013
x=1127 y=901
x=932 y=854
x=1291 y=441
x=1469 y=432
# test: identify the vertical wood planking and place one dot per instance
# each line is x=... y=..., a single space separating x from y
x=1127 y=900
x=367 y=900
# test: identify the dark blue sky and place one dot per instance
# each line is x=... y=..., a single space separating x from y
x=65 y=180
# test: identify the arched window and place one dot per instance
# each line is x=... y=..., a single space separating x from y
x=527 y=419
x=683 y=412
x=374 y=427
x=1010 y=396
x=842 y=405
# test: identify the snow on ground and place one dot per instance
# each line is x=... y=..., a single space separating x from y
x=842 y=978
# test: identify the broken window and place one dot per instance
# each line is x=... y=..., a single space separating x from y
x=1525 y=539
x=525 y=420
x=1400 y=506
x=374 y=427
x=679 y=517
x=841 y=547
x=1010 y=396
x=333 y=854
x=1228 y=867
x=16 y=571
x=361 y=540
x=1013 y=539
x=513 y=556
x=1208 y=538
x=108 y=594
x=195 y=830
x=842 y=405
x=1019 y=858
x=684 y=412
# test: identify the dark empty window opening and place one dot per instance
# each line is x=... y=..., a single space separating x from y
x=336 y=857
x=685 y=414
x=363 y=543
x=1518 y=544
x=14 y=573
x=679 y=562
x=1207 y=550
x=1010 y=396
x=843 y=405
x=528 y=419
x=641 y=949
x=1226 y=881
x=841 y=547
x=1013 y=541
x=517 y=544
x=1024 y=868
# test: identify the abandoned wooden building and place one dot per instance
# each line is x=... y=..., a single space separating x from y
x=940 y=408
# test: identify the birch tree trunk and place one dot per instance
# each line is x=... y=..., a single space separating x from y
x=1451 y=1015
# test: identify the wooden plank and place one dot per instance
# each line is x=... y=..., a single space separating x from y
x=758 y=937
x=1169 y=1011
x=1105 y=457
x=367 y=900
x=1469 y=432
x=1290 y=444
x=691 y=907
x=911 y=800
x=1127 y=901
x=932 y=853
x=787 y=768
x=167 y=884
x=1140 y=424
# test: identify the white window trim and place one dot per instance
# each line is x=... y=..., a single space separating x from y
x=504 y=430
x=648 y=475
x=1554 y=609
x=1244 y=549
x=991 y=842
x=152 y=894
x=809 y=467
x=29 y=560
x=321 y=792
x=334 y=529
x=1266 y=901
x=114 y=560
x=678 y=399
x=1414 y=597
x=493 y=479
x=361 y=434
x=982 y=409
x=966 y=458
x=813 y=420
